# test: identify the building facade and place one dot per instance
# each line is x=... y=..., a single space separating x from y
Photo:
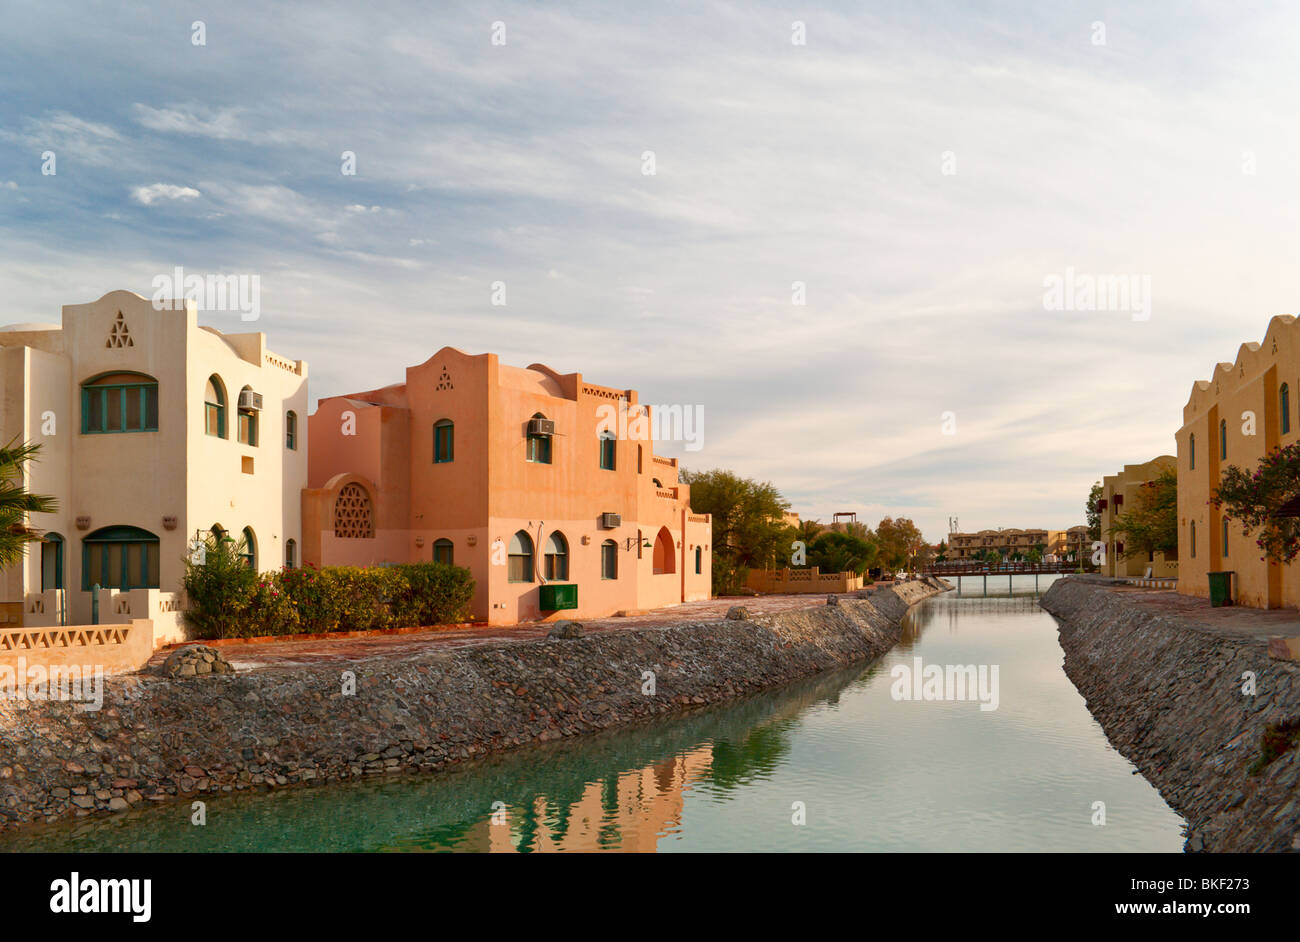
x=1243 y=411
x=1120 y=494
x=1007 y=543
x=152 y=430
x=530 y=478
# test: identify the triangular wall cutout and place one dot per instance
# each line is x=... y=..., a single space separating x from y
x=119 y=336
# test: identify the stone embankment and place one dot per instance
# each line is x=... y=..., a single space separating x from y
x=160 y=737
x=1169 y=682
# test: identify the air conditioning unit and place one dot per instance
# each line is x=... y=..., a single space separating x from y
x=611 y=521
x=541 y=427
x=250 y=400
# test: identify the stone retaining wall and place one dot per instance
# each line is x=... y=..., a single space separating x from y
x=159 y=739
x=1169 y=697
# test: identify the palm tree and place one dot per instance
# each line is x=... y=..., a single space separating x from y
x=16 y=504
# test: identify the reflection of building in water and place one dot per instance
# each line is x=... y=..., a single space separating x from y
x=629 y=811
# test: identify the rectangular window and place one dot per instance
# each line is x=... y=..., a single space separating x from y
x=443 y=444
x=248 y=428
x=609 y=560
x=608 y=453
x=126 y=565
x=212 y=420
x=119 y=408
x=1225 y=537
x=519 y=569
x=539 y=449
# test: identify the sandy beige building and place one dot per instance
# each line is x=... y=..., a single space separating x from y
x=1007 y=542
x=1244 y=410
x=1120 y=494
x=152 y=430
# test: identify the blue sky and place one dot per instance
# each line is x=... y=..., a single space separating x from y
x=1170 y=151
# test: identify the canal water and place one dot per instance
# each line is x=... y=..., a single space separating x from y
x=842 y=762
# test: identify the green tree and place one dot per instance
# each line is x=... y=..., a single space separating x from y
x=220 y=585
x=993 y=558
x=1093 y=513
x=1152 y=525
x=747 y=523
x=842 y=552
x=1266 y=502
x=1034 y=556
x=17 y=504
x=900 y=543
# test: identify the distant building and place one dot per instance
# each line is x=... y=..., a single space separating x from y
x=1120 y=494
x=1244 y=410
x=1006 y=542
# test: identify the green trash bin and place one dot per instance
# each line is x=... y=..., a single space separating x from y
x=1221 y=588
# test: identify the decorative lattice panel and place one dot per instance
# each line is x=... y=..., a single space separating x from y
x=353 y=519
x=118 y=335
x=444 y=381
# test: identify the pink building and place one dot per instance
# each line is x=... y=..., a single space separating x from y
x=545 y=487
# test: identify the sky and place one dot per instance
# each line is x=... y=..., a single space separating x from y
x=841 y=260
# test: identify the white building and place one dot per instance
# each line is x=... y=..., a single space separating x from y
x=152 y=430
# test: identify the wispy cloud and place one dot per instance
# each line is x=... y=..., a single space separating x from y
x=148 y=195
x=823 y=165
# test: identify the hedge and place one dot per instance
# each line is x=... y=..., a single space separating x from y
x=229 y=600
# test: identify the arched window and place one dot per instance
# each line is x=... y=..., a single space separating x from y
x=51 y=562
x=214 y=407
x=556 y=558
x=444 y=441
x=291 y=430
x=519 y=561
x=665 y=558
x=609 y=560
x=1223 y=439
x=1191 y=452
x=699 y=560
x=353 y=519
x=248 y=548
x=119 y=558
x=290 y=554
x=120 y=402
x=539 y=445
x=1285 y=396
x=658 y=483
x=443 y=552
x=608 y=450
x=247 y=420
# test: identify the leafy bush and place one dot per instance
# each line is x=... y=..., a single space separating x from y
x=229 y=600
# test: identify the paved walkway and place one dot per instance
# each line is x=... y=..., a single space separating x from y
x=1237 y=621
x=288 y=653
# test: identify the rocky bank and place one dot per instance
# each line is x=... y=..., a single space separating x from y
x=1169 y=694
x=163 y=736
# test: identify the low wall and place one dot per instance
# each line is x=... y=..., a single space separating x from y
x=110 y=648
x=157 y=739
x=799 y=581
x=1169 y=696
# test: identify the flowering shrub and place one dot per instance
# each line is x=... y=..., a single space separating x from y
x=229 y=600
x=1254 y=499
